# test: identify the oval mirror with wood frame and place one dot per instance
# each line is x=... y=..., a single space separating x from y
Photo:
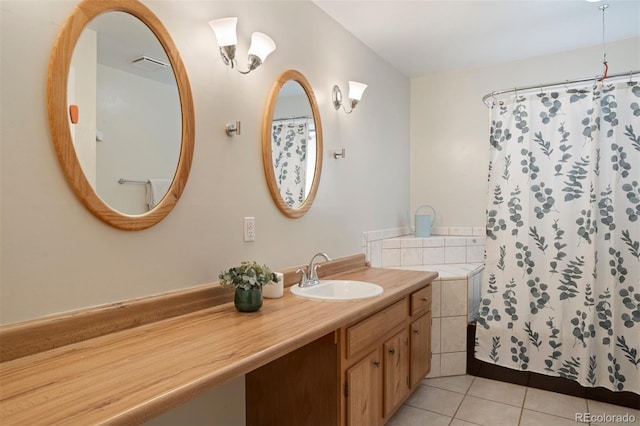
x=72 y=142
x=292 y=144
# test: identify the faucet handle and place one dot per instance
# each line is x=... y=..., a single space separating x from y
x=314 y=272
x=303 y=277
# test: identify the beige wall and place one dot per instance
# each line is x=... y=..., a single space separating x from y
x=450 y=124
x=57 y=257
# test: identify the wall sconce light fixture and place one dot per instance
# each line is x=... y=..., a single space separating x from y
x=261 y=44
x=355 y=94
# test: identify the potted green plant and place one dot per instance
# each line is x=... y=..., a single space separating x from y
x=248 y=279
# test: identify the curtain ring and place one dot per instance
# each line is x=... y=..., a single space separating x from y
x=496 y=101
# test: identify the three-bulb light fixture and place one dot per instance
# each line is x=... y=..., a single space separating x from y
x=261 y=44
x=355 y=94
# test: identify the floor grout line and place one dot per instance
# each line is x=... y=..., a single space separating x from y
x=526 y=390
x=466 y=394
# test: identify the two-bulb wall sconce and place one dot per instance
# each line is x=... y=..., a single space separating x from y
x=261 y=44
x=355 y=94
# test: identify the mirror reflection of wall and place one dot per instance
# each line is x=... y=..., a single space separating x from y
x=130 y=123
x=139 y=142
x=81 y=91
x=293 y=144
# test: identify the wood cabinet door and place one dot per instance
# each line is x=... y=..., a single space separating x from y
x=364 y=391
x=396 y=371
x=420 y=348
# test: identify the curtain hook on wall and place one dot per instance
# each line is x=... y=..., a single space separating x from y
x=605 y=72
x=604 y=52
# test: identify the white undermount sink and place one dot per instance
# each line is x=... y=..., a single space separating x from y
x=338 y=290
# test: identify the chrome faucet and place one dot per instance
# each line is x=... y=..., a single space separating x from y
x=310 y=276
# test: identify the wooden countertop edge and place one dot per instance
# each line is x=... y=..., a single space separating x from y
x=163 y=403
x=42 y=334
x=180 y=392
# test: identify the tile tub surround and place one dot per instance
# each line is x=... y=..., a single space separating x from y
x=412 y=251
x=372 y=241
x=455 y=293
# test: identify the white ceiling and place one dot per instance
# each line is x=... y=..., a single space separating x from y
x=121 y=37
x=420 y=37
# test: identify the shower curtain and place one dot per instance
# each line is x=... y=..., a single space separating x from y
x=561 y=286
x=289 y=149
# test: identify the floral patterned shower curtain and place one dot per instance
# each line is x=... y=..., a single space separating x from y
x=561 y=285
x=289 y=149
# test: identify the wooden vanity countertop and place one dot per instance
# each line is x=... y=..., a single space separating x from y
x=133 y=375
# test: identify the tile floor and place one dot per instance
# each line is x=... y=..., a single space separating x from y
x=468 y=400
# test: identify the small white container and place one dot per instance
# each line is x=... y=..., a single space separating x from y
x=274 y=290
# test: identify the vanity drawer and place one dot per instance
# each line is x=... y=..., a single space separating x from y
x=370 y=331
x=421 y=301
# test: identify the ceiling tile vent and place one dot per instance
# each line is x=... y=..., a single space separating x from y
x=149 y=64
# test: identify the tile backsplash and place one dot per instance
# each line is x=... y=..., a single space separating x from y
x=436 y=250
x=397 y=247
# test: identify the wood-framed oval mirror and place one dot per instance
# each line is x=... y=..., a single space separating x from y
x=64 y=114
x=292 y=144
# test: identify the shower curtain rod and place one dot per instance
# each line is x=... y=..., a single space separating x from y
x=292 y=118
x=560 y=83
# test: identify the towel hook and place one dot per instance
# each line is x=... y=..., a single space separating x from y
x=233 y=129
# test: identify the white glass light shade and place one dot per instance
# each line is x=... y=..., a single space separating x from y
x=356 y=90
x=225 y=30
x=261 y=45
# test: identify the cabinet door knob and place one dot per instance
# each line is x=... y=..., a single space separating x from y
x=376 y=364
x=392 y=351
x=416 y=331
x=424 y=299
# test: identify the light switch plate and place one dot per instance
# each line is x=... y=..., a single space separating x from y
x=249 y=228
